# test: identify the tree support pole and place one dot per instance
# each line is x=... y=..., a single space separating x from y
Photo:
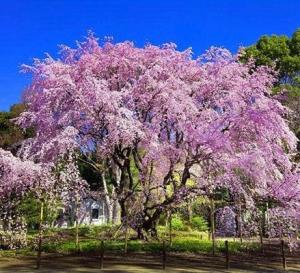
x=77 y=230
x=227 y=255
x=212 y=223
x=39 y=255
x=126 y=236
x=283 y=255
x=240 y=221
x=101 y=254
x=170 y=228
x=164 y=255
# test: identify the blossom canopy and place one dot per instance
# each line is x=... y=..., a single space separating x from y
x=169 y=112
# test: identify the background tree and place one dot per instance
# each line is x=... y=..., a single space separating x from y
x=11 y=135
x=279 y=51
x=283 y=53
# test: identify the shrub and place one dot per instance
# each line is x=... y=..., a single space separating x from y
x=199 y=223
x=104 y=231
x=83 y=230
x=177 y=223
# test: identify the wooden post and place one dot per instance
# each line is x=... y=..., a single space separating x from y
x=261 y=237
x=76 y=229
x=164 y=255
x=39 y=254
x=283 y=255
x=101 y=255
x=261 y=232
x=170 y=228
x=212 y=223
x=126 y=236
x=77 y=238
x=261 y=243
x=227 y=254
x=190 y=211
x=240 y=221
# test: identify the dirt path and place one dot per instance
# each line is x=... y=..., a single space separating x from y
x=148 y=263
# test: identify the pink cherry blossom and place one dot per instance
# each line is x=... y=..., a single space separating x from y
x=165 y=113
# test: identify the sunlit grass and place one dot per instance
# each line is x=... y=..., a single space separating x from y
x=62 y=241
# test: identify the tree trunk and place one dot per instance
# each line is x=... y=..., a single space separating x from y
x=140 y=234
x=149 y=225
x=108 y=203
x=116 y=213
x=267 y=222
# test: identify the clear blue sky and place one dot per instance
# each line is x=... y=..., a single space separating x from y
x=29 y=28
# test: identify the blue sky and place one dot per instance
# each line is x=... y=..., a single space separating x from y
x=30 y=28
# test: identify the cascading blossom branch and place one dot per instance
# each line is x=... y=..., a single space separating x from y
x=226 y=222
x=72 y=187
x=18 y=177
x=282 y=223
x=46 y=182
x=166 y=113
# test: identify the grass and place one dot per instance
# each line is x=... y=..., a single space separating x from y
x=17 y=252
x=181 y=242
x=62 y=241
x=178 y=245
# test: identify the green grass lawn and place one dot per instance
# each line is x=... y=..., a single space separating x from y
x=62 y=241
x=178 y=245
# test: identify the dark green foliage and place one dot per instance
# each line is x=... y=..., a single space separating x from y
x=92 y=176
x=10 y=134
x=280 y=51
x=30 y=207
x=295 y=43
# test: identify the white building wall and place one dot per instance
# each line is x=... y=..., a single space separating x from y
x=91 y=212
